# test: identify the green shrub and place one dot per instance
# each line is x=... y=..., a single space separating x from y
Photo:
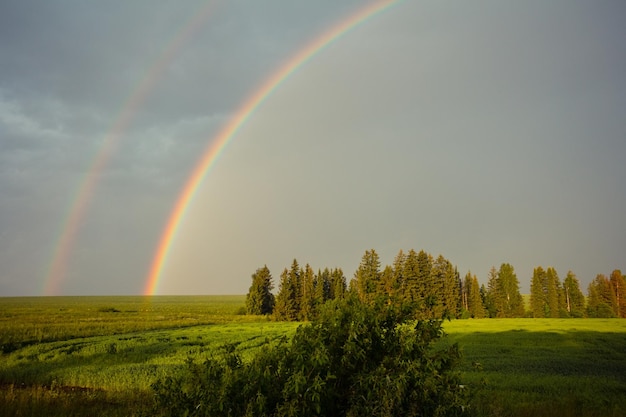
x=353 y=360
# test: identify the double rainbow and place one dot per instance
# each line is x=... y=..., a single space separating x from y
x=244 y=112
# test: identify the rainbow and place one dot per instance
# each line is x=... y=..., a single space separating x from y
x=70 y=226
x=225 y=135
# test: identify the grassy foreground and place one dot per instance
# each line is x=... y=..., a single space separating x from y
x=79 y=356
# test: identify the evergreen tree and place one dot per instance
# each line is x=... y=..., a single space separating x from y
x=367 y=277
x=295 y=280
x=307 y=294
x=398 y=275
x=260 y=299
x=428 y=288
x=494 y=301
x=552 y=294
x=465 y=292
x=504 y=298
x=321 y=284
x=412 y=290
x=476 y=306
x=445 y=288
x=618 y=283
x=574 y=298
x=388 y=284
x=514 y=303
x=338 y=285
x=602 y=302
x=537 y=293
x=285 y=306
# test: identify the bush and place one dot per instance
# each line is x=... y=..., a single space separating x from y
x=353 y=360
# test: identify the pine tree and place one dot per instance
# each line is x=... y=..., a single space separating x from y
x=494 y=301
x=618 y=283
x=338 y=285
x=285 y=306
x=465 y=292
x=574 y=298
x=514 y=305
x=445 y=288
x=552 y=294
x=398 y=275
x=367 y=277
x=476 y=306
x=387 y=284
x=260 y=299
x=602 y=302
x=410 y=277
x=537 y=293
x=307 y=295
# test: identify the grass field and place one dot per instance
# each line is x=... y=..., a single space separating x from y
x=98 y=355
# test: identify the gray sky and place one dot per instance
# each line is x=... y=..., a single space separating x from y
x=489 y=132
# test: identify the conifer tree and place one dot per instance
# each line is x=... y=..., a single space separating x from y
x=493 y=295
x=465 y=292
x=445 y=288
x=514 y=303
x=412 y=291
x=398 y=275
x=602 y=302
x=260 y=299
x=307 y=295
x=552 y=295
x=618 y=284
x=388 y=286
x=367 y=277
x=574 y=298
x=338 y=285
x=476 y=306
x=537 y=293
x=285 y=306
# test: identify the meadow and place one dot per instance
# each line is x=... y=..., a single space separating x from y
x=99 y=355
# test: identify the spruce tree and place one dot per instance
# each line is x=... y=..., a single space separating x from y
x=494 y=301
x=537 y=293
x=514 y=303
x=367 y=277
x=338 y=285
x=618 y=284
x=307 y=294
x=476 y=306
x=285 y=306
x=574 y=298
x=412 y=291
x=602 y=302
x=552 y=294
x=260 y=299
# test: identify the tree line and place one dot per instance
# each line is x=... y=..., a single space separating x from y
x=432 y=288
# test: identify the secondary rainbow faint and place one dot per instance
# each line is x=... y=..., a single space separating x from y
x=62 y=249
x=219 y=142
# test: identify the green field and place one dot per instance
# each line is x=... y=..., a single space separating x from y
x=99 y=355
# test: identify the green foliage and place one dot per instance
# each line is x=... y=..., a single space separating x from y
x=354 y=360
x=260 y=299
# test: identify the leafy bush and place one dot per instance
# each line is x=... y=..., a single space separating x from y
x=353 y=360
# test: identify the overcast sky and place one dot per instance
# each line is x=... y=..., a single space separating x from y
x=488 y=131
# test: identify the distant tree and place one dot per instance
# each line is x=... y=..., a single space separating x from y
x=602 y=302
x=285 y=307
x=445 y=287
x=398 y=275
x=338 y=285
x=412 y=289
x=388 y=286
x=618 y=284
x=307 y=294
x=504 y=298
x=476 y=306
x=321 y=284
x=514 y=305
x=367 y=277
x=552 y=293
x=465 y=292
x=493 y=295
x=538 y=299
x=574 y=298
x=260 y=299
